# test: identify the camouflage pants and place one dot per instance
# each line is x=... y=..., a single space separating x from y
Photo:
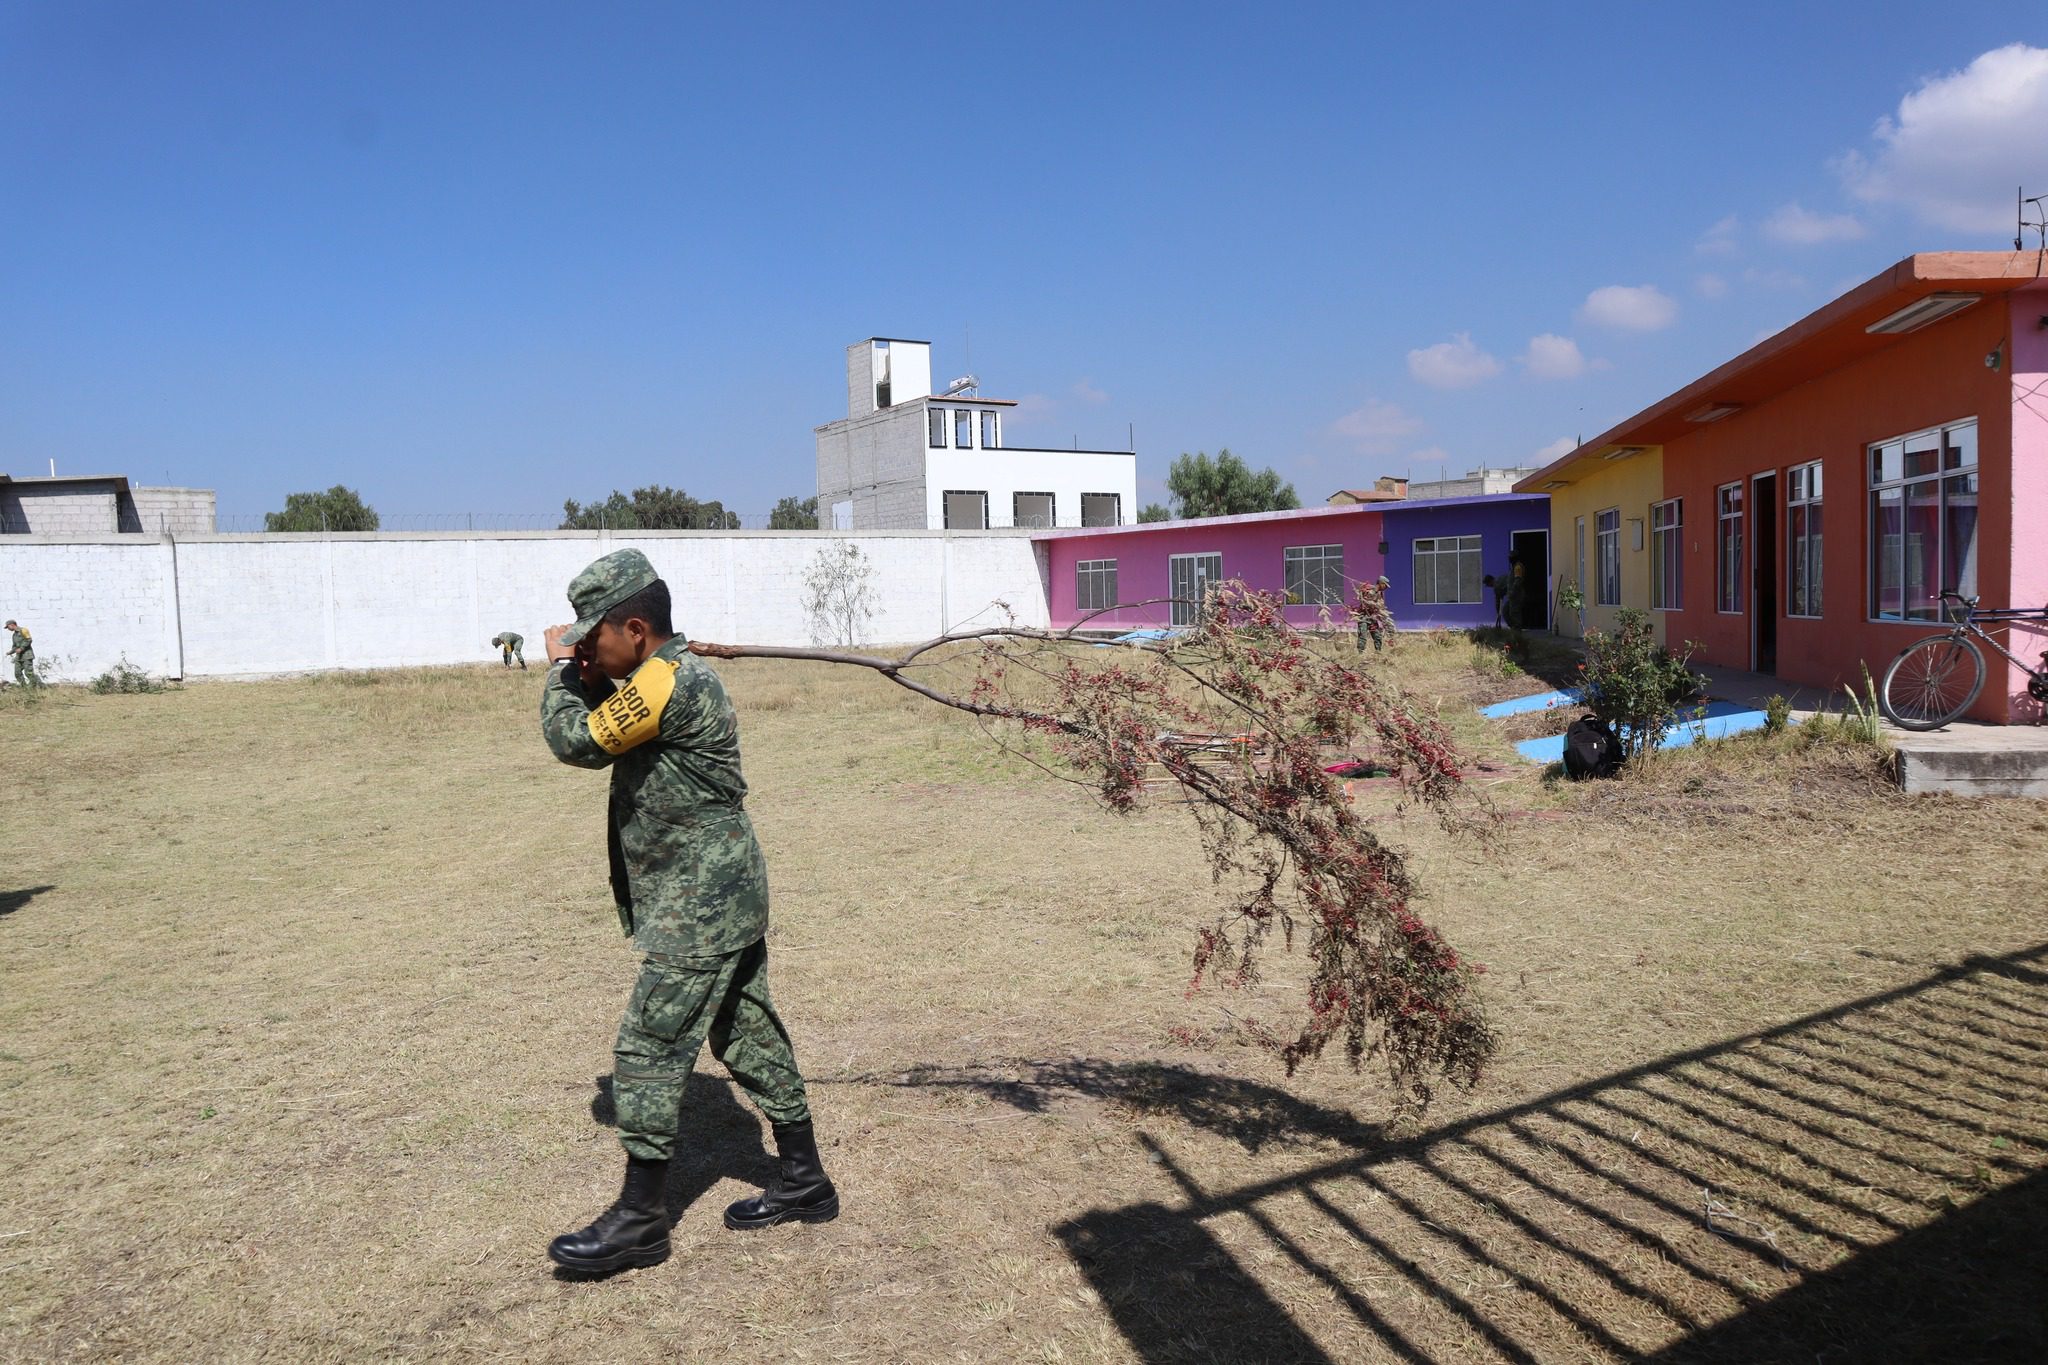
x=677 y=1004
x=25 y=669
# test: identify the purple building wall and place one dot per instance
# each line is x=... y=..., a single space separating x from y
x=1253 y=549
x=1495 y=520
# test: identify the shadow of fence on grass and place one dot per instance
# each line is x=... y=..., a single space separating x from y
x=1873 y=1174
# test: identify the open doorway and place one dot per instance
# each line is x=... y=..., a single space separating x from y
x=1533 y=549
x=1763 y=573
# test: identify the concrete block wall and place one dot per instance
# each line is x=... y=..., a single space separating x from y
x=67 y=512
x=222 y=606
x=878 y=462
x=174 y=511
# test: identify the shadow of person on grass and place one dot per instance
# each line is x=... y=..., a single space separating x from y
x=1249 y=1113
x=11 y=901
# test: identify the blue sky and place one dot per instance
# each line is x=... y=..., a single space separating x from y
x=488 y=257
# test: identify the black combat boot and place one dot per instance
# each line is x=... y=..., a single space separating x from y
x=801 y=1190
x=632 y=1232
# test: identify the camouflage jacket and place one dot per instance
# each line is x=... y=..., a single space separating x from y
x=22 y=644
x=687 y=872
x=508 y=640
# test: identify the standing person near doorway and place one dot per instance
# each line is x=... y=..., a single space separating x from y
x=624 y=692
x=1514 y=600
x=513 y=646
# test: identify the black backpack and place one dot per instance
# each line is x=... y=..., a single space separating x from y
x=1590 y=749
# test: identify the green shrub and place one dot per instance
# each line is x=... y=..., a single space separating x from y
x=1635 y=684
x=126 y=677
x=1777 y=714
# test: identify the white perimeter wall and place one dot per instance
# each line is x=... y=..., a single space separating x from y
x=221 y=606
x=1003 y=473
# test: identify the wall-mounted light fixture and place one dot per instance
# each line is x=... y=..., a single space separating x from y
x=1623 y=452
x=1383 y=548
x=1921 y=311
x=1993 y=356
x=1713 y=412
x=1556 y=484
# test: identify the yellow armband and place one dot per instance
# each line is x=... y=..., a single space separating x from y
x=631 y=716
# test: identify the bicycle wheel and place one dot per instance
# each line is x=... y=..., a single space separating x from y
x=1932 y=682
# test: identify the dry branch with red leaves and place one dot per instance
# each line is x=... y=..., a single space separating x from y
x=1241 y=713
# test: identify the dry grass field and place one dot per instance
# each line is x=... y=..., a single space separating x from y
x=307 y=989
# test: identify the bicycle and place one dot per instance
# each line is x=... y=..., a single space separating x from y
x=1934 y=680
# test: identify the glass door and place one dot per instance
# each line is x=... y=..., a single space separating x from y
x=1189 y=578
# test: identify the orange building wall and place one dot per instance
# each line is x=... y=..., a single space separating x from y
x=1932 y=376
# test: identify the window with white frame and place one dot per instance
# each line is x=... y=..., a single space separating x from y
x=1667 y=554
x=989 y=439
x=1923 y=521
x=1447 y=570
x=1315 y=574
x=1802 y=536
x=935 y=424
x=1607 y=546
x=963 y=429
x=1728 y=548
x=1095 y=584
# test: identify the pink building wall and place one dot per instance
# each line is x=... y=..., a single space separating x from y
x=1253 y=549
x=2028 y=585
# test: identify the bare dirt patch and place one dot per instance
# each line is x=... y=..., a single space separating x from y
x=307 y=989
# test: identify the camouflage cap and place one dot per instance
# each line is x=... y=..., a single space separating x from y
x=602 y=586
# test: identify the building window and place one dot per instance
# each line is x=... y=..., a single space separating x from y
x=1033 y=510
x=1579 y=535
x=935 y=424
x=963 y=429
x=1923 y=521
x=1802 y=529
x=966 y=511
x=881 y=374
x=1095 y=584
x=1315 y=575
x=1607 y=545
x=1447 y=571
x=1102 y=509
x=1188 y=580
x=989 y=439
x=1728 y=548
x=1667 y=554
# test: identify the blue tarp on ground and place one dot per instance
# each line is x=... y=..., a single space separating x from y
x=1153 y=634
x=1722 y=718
x=1542 y=701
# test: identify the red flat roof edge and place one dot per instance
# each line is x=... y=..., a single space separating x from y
x=1927 y=272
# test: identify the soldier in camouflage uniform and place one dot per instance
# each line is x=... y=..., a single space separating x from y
x=512 y=645
x=692 y=890
x=1374 y=620
x=23 y=652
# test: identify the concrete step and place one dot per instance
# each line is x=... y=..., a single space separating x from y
x=1968 y=759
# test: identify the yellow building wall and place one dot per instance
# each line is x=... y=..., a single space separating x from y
x=1630 y=486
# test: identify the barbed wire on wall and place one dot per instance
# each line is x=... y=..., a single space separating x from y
x=256 y=523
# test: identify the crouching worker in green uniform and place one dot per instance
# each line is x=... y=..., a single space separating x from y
x=511 y=646
x=692 y=890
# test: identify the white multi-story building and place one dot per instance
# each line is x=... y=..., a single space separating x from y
x=905 y=458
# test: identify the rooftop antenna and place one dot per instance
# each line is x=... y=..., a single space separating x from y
x=2039 y=222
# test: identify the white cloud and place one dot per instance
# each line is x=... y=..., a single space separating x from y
x=1556 y=450
x=1710 y=286
x=1776 y=281
x=1631 y=307
x=1089 y=394
x=1376 y=428
x=1429 y=455
x=1719 y=240
x=1554 y=357
x=1797 y=225
x=1453 y=364
x=1958 y=144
